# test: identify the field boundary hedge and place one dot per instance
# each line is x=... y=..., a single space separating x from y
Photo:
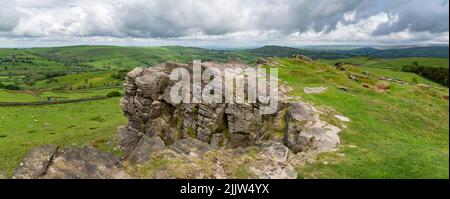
x=38 y=103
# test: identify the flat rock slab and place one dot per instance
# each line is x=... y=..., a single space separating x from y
x=314 y=90
x=35 y=164
x=46 y=162
x=85 y=163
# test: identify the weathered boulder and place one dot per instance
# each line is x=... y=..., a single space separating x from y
x=127 y=138
x=305 y=131
x=302 y=58
x=35 y=164
x=340 y=66
x=146 y=146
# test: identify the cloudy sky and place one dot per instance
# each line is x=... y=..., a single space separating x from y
x=223 y=23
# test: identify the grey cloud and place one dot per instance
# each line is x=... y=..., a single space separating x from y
x=294 y=15
x=9 y=16
x=417 y=16
x=180 y=18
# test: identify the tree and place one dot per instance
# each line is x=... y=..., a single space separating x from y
x=114 y=94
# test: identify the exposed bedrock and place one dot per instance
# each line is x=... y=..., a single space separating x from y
x=150 y=112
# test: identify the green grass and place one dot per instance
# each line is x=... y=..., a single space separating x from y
x=17 y=96
x=33 y=96
x=402 y=133
x=23 y=128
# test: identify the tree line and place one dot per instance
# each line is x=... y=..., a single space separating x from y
x=436 y=74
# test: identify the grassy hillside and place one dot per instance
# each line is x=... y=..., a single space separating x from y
x=400 y=133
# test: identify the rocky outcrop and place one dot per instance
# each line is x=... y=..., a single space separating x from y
x=193 y=140
x=150 y=112
x=46 y=162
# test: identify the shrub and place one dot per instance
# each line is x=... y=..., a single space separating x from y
x=436 y=74
x=121 y=74
x=10 y=87
x=414 y=80
x=114 y=94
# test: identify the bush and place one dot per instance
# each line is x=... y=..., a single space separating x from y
x=436 y=74
x=114 y=94
x=9 y=86
x=414 y=80
x=121 y=74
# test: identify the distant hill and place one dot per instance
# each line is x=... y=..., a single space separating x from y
x=329 y=53
x=429 y=51
x=281 y=51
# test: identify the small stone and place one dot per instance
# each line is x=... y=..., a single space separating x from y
x=342 y=118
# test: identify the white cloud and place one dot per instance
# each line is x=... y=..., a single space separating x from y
x=251 y=21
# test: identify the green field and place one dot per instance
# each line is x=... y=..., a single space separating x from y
x=400 y=133
x=65 y=125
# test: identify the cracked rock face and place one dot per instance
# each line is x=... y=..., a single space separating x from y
x=150 y=112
